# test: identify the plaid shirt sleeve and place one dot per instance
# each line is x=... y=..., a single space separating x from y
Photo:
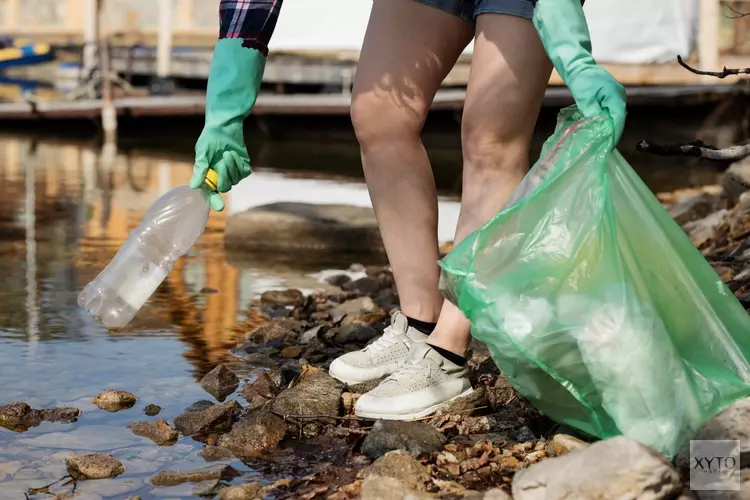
x=251 y=20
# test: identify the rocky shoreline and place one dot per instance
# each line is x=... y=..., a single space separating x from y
x=293 y=424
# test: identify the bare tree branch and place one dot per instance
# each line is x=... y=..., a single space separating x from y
x=718 y=74
x=696 y=149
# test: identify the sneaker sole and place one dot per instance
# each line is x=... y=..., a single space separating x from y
x=411 y=416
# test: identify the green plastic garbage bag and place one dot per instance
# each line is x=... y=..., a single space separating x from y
x=594 y=302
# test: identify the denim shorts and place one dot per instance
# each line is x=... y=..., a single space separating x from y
x=468 y=10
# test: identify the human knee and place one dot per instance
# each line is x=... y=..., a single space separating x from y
x=491 y=149
x=380 y=119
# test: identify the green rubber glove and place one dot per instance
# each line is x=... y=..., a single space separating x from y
x=562 y=28
x=233 y=83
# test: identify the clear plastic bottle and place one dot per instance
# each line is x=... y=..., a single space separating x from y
x=169 y=228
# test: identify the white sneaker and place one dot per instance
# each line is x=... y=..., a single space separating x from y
x=380 y=358
x=421 y=386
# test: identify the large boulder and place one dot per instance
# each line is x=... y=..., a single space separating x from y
x=613 y=468
x=291 y=226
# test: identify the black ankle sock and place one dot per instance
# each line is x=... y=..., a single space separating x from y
x=422 y=326
x=450 y=356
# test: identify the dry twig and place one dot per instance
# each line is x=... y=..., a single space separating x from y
x=696 y=149
x=718 y=74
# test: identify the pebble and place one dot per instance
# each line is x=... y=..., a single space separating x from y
x=93 y=466
x=220 y=382
x=115 y=400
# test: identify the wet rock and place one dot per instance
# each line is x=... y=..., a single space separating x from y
x=693 y=208
x=272 y=331
x=560 y=444
x=157 y=431
x=215 y=418
x=387 y=299
x=310 y=335
x=351 y=333
x=733 y=423
x=254 y=434
x=614 y=468
x=177 y=477
x=400 y=465
x=316 y=393
x=20 y=416
x=368 y=285
x=249 y=491
x=338 y=280
x=285 y=298
x=291 y=352
x=93 y=466
x=701 y=230
x=260 y=390
x=355 y=308
x=114 y=400
x=207 y=488
x=152 y=410
x=414 y=437
x=216 y=454
x=199 y=405
x=305 y=227
x=220 y=382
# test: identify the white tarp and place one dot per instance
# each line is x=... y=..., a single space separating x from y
x=638 y=31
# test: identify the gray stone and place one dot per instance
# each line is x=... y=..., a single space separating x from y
x=413 y=437
x=353 y=308
x=692 y=208
x=207 y=488
x=115 y=400
x=157 y=431
x=376 y=487
x=560 y=444
x=304 y=227
x=496 y=494
x=316 y=393
x=254 y=434
x=732 y=423
x=93 y=466
x=351 y=333
x=701 y=230
x=220 y=382
x=736 y=179
x=249 y=491
x=613 y=468
x=20 y=416
x=284 y=298
x=213 y=453
x=215 y=418
x=176 y=477
x=152 y=410
x=402 y=466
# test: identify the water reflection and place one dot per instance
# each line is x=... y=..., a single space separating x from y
x=65 y=210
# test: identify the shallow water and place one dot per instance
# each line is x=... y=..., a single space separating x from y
x=64 y=212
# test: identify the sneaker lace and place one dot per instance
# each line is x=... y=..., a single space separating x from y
x=407 y=370
x=388 y=339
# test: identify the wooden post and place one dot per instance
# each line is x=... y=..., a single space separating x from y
x=109 y=114
x=164 y=44
x=90 y=33
x=708 y=37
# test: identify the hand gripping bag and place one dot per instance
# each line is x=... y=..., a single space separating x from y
x=595 y=303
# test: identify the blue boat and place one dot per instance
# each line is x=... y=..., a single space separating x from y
x=26 y=55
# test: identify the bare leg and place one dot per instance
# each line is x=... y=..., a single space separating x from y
x=509 y=75
x=408 y=50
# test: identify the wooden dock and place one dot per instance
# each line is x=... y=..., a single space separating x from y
x=331 y=104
